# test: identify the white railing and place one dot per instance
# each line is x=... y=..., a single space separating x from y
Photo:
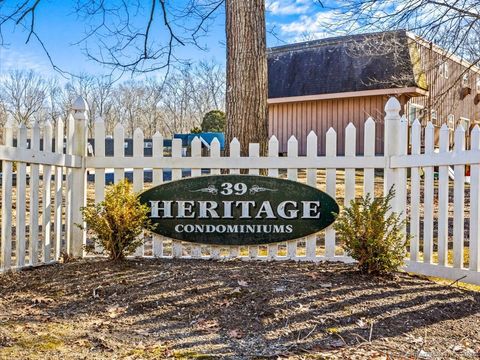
x=37 y=215
x=342 y=177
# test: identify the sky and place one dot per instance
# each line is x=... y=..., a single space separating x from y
x=60 y=27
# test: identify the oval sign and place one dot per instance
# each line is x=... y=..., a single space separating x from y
x=238 y=209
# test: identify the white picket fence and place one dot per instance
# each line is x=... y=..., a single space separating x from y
x=45 y=216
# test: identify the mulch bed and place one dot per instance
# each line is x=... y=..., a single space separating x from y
x=197 y=309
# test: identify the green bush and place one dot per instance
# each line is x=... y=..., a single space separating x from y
x=195 y=130
x=115 y=223
x=372 y=234
x=214 y=121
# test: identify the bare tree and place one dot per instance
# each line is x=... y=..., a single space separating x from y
x=3 y=118
x=96 y=90
x=131 y=35
x=141 y=36
x=129 y=100
x=452 y=25
x=54 y=102
x=24 y=94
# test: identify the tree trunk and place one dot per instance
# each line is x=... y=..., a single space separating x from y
x=246 y=95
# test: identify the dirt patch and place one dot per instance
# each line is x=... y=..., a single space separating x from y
x=187 y=309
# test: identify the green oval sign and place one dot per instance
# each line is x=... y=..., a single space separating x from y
x=238 y=209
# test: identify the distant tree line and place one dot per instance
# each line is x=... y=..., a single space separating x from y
x=174 y=104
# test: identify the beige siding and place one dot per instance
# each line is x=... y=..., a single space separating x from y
x=444 y=93
x=300 y=118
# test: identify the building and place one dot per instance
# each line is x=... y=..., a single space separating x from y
x=330 y=82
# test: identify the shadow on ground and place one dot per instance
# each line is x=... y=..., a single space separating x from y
x=183 y=309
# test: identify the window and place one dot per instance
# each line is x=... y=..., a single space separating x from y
x=148 y=145
x=465 y=123
x=451 y=121
x=465 y=79
x=414 y=112
x=433 y=115
x=478 y=83
x=125 y=145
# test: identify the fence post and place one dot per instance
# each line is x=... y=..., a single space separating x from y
x=79 y=178
x=394 y=145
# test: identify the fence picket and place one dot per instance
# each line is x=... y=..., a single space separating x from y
x=99 y=134
x=331 y=174
x=474 y=240
x=443 y=199
x=138 y=144
x=415 y=195
x=401 y=175
x=57 y=216
x=21 y=199
x=157 y=178
x=428 y=198
x=69 y=188
x=350 y=146
x=6 y=245
x=47 y=195
x=157 y=152
x=196 y=148
x=253 y=152
x=312 y=152
x=118 y=150
x=292 y=174
x=234 y=154
x=177 y=247
x=34 y=200
x=272 y=172
x=215 y=154
x=458 y=200
x=369 y=150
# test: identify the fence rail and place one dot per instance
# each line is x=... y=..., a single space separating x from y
x=39 y=211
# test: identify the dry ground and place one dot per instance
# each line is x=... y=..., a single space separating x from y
x=191 y=309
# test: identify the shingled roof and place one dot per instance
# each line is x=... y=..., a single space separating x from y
x=341 y=64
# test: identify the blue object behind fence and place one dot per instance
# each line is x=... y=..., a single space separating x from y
x=206 y=136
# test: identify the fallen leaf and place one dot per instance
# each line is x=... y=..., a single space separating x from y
x=208 y=325
x=424 y=355
x=141 y=332
x=235 y=333
x=116 y=311
x=332 y=330
x=42 y=300
x=362 y=323
x=242 y=283
x=96 y=292
x=457 y=348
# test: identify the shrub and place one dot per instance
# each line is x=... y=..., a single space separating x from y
x=195 y=130
x=116 y=222
x=372 y=234
x=214 y=121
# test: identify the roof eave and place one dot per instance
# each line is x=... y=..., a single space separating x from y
x=409 y=91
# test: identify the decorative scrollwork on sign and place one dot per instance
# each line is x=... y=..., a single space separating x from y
x=256 y=189
x=209 y=189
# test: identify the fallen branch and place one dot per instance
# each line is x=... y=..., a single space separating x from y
x=456 y=281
